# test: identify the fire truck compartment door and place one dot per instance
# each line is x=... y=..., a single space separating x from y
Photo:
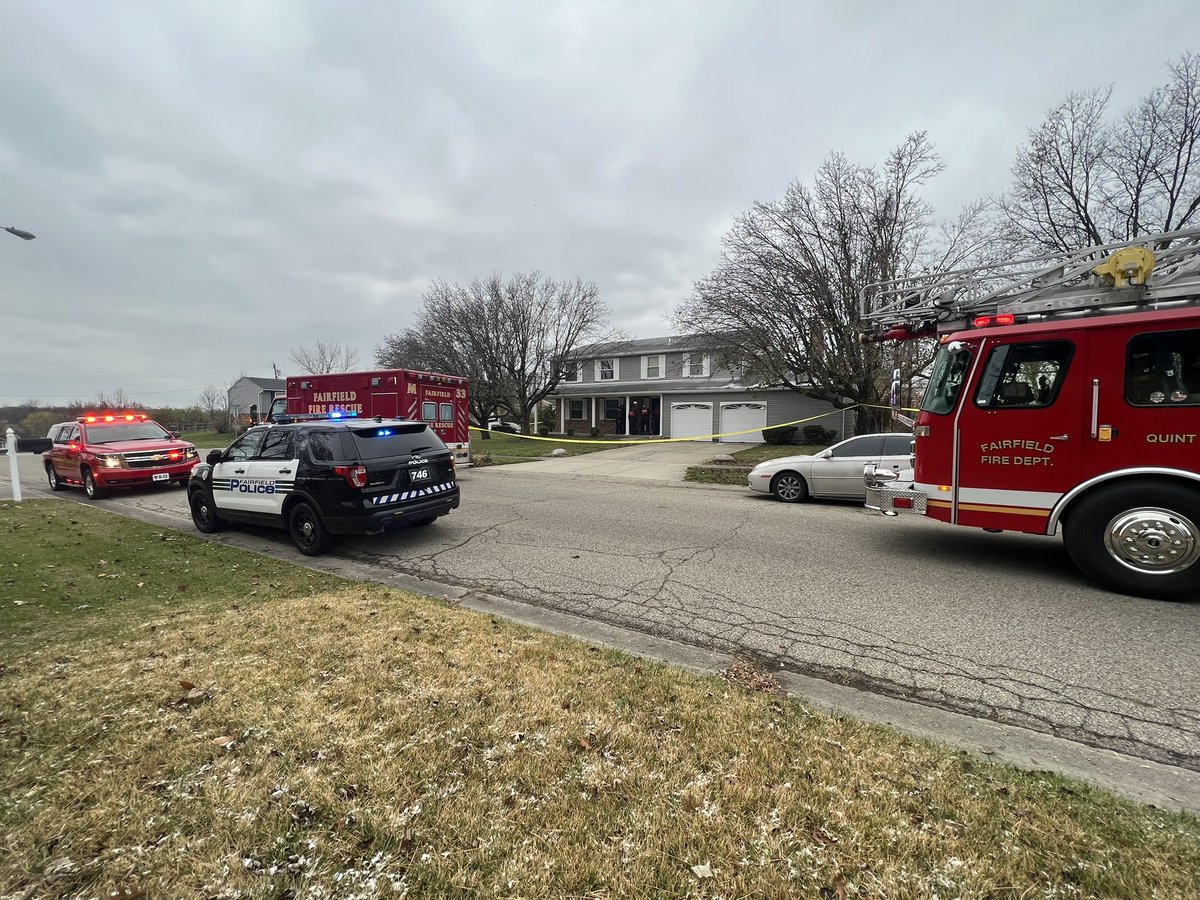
x=386 y=405
x=1021 y=433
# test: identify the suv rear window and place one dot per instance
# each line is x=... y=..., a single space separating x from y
x=382 y=441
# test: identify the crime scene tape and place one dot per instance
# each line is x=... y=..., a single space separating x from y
x=698 y=437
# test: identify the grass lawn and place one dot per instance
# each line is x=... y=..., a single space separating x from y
x=181 y=719
x=745 y=461
x=503 y=448
x=208 y=440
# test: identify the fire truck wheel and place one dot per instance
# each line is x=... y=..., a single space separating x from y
x=308 y=531
x=52 y=477
x=93 y=490
x=204 y=515
x=789 y=487
x=1140 y=538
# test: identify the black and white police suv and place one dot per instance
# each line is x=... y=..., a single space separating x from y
x=323 y=478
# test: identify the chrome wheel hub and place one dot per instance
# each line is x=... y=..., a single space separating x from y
x=1153 y=541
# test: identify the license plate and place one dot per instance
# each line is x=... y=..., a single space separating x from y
x=416 y=475
x=160 y=476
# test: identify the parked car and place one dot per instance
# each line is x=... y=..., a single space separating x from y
x=508 y=427
x=99 y=451
x=836 y=471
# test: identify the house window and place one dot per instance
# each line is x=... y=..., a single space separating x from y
x=576 y=411
x=653 y=366
x=571 y=373
x=606 y=370
x=695 y=365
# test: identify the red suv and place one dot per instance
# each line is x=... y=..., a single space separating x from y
x=105 y=450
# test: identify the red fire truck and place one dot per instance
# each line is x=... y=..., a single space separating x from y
x=439 y=400
x=1065 y=394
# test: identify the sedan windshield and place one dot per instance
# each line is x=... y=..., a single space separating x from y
x=115 y=432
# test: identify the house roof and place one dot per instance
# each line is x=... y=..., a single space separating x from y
x=657 y=386
x=674 y=343
x=268 y=384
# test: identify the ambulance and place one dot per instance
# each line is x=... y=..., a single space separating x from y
x=438 y=400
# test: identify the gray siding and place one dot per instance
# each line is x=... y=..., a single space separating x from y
x=245 y=393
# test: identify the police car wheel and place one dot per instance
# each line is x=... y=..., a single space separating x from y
x=789 y=487
x=204 y=514
x=1140 y=538
x=307 y=530
x=93 y=490
x=52 y=477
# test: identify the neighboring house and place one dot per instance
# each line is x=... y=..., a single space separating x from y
x=250 y=398
x=675 y=390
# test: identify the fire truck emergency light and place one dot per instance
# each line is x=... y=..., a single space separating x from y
x=1001 y=319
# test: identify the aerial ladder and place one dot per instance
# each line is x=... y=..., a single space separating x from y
x=1150 y=272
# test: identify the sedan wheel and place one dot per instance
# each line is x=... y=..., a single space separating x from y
x=789 y=487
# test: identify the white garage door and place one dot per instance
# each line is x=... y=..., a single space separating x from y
x=741 y=416
x=691 y=420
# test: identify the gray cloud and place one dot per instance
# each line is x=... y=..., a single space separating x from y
x=210 y=190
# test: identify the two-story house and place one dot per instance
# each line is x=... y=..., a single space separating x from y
x=250 y=398
x=666 y=387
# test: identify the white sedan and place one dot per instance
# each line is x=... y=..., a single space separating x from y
x=836 y=471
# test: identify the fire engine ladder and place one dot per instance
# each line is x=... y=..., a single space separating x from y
x=1157 y=271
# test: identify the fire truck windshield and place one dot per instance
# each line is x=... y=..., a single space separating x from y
x=950 y=368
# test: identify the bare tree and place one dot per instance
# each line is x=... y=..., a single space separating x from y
x=515 y=338
x=783 y=303
x=215 y=405
x=1082 y=179
x=433 y=346
x=324 y=357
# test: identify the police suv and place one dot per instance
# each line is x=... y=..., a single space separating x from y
x=320 y=478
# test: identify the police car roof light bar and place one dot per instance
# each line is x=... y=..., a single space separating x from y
x=1152 y=271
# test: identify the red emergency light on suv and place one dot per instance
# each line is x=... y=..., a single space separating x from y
x=99 y=451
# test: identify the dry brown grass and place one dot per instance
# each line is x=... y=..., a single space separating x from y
x=371 y=743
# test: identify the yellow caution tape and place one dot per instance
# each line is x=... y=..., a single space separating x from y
x=700 y=437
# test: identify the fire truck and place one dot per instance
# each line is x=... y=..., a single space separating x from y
x=1064 y=395
x=438 y=400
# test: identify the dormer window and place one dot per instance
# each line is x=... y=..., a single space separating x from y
x=606 y=370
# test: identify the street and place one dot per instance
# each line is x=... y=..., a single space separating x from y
x=997 y=626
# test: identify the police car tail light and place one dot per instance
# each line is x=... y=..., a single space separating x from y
x=356 y=476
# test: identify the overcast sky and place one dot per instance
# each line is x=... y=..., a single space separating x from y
x=212 y=185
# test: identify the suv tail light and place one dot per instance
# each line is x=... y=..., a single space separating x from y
x=356 y=476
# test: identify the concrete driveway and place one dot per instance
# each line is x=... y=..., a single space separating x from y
x=653 y=462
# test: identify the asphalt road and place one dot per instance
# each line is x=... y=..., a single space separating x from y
x=997 y=626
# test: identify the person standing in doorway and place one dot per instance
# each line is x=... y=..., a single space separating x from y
x=644 y=420
x=633 y=418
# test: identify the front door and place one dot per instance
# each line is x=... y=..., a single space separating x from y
x=231 y=487
x=271 y=474
x=1022 y=427
x=838 y=472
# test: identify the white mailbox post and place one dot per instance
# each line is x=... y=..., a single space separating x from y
x=10 y=445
